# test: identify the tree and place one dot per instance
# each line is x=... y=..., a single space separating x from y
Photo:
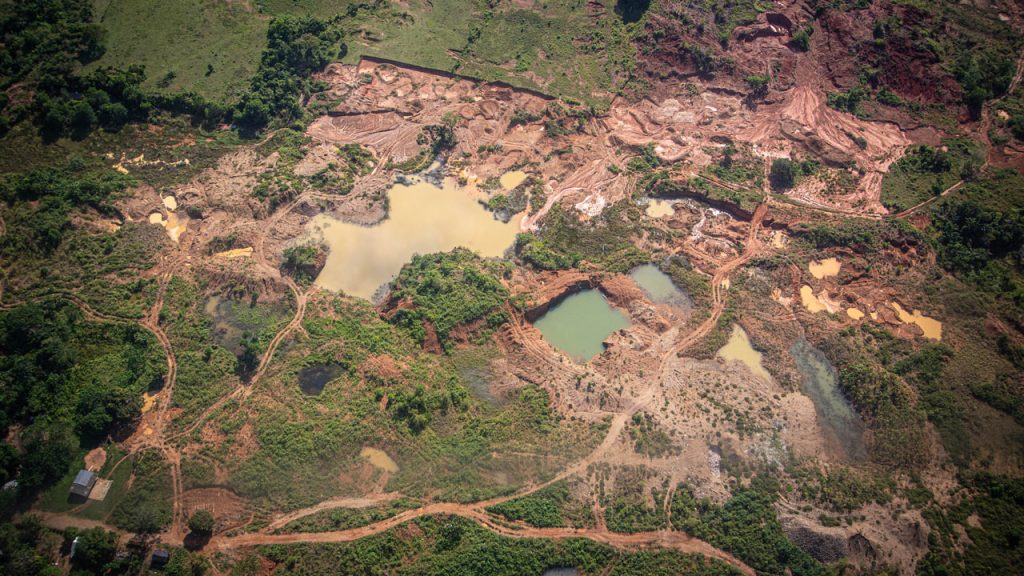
x=82 y=117
x=185 y=563
x=49 y=449
x=96 y=547
x=758 y=85
x=113 y=117
x=802 y=39
x=783 y=173
x=201 y=522
x=632 y=10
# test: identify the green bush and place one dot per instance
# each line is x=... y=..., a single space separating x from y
x=201 y=522
x=783 y=173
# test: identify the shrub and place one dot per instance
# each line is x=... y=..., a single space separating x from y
x=783 y=173
x=201 y=522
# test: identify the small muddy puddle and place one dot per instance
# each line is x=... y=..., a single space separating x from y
x=739 y=349
x=579 y=324
x=821 y=383
x=659 y=287
x=931 y=327
x=660 y=208
x=379 y=459
x=817 y=303
x=148 y=400
x=510 y=180
x=824 y=268
x=312 y=379
x=422 y=219
x=233 y=319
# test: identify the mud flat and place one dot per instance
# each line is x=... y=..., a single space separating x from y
x=579 y=324
x=739 y=349
x=659 y=287
x=821 y=383
x=422 y=219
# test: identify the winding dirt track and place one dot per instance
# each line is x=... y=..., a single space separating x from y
x=675 y=540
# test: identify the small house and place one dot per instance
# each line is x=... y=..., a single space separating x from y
x=160 y=558
x=84 y=481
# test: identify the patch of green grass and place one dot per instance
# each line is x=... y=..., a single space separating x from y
x=542 y=508
x=347 y=518
x=100 y=510
x=146 y=507
x=557 y=48
x=186 y=38
x=57 y=497
x=924 y=172
x=452 y=545
x=206 y=370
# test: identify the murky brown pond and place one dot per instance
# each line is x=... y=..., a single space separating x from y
x=739 y=349
x=824 y=268
x=931 y=327
x=422 y=219
x=660 y=208
x=379 y=459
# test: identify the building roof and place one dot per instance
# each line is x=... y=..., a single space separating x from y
x=161 y=556
x=84 y=481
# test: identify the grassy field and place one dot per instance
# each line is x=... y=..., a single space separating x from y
x=184 y=37
x=559 y=47
x=922 y=173
x=213 y=47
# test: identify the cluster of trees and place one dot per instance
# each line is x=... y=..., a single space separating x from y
x=45 y=41
x=303 y=261
x=972 y=235
x=848 y=101
x=746 y=526
x=41 y=202
x=542 y=508
x=63 y=399
x=982 y=75
x=26 y=547
x=447 y=290
x=296 y=47
x=926 y=158
x=416 y=407
x=887 y=403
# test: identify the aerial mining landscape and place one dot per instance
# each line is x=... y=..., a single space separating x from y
x=511 y=287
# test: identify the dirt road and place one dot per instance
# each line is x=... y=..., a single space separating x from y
x=674 y=540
